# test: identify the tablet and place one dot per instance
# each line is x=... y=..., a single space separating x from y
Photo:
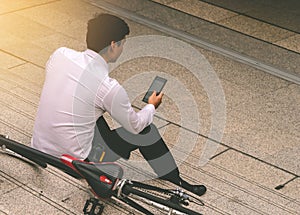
x=157 y=85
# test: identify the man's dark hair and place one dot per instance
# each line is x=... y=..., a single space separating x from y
x=103 y=29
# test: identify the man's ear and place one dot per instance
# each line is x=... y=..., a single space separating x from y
x=113 y=44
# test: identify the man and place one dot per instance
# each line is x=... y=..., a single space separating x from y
x=76 y=93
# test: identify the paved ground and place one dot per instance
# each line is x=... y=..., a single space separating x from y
x=257 y=150
x=283 y=14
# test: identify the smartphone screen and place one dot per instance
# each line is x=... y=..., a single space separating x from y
x=157 y=85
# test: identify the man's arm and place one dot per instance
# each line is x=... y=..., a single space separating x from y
x=118 y=105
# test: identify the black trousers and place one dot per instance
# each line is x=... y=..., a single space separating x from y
x=110 y=145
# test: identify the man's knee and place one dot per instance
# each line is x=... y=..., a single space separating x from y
x=150 y=129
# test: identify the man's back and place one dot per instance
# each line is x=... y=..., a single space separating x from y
x=66 y=115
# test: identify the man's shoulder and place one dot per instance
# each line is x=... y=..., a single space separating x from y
x=64 y=54
x=65 y=51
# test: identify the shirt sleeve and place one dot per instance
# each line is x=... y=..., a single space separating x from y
x=116 y=102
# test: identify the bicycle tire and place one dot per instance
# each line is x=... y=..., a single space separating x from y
x=127 y=189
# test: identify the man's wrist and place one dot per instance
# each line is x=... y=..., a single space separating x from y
x=151 y=107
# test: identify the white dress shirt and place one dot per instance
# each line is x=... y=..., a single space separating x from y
x=76 y=92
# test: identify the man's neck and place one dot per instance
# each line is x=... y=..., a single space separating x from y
x=105 y=57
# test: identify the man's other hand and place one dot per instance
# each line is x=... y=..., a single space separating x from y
x=155 y=100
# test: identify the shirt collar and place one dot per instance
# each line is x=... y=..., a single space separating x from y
x=96 y=56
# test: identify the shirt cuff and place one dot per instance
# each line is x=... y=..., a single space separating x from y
x=150 y=107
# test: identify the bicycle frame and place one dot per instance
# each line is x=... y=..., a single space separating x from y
x=160 y=203
x=105 y=179
x=38 y=157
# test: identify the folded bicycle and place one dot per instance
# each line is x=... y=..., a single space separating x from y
x=105 y=181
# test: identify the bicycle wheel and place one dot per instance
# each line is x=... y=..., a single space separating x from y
x=169 y=205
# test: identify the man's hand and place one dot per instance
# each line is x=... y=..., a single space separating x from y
x=155 y=100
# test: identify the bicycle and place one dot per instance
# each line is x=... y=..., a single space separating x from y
x=105 y=180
